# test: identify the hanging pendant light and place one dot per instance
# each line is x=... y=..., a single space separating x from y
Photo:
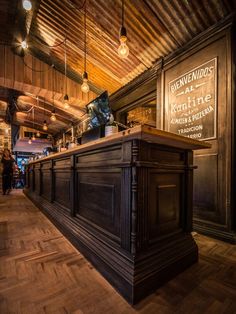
x=66 y=97
x=38 y=134
x=45 y=127
x=123 y=50
x=30 y=141
x=53 y=116
x=27 y=5
x=24 y=44
x=53 y=113
x=66 y=102
x=33 y=137
x=85 y=86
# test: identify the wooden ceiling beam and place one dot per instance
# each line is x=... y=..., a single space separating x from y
x=52 y=129
x=47 y=107
x=41 y=53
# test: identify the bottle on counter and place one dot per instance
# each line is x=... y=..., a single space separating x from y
x=111 y=127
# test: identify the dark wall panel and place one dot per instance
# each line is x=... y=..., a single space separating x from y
x=205 y=193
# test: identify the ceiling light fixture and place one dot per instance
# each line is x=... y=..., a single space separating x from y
x=66 y=103
x=37 y=133
x=45 y=127
x=30 y=141
x=33 y=137
x=85 y=86
x=27 y=5
x=24 y=44
x=53 y=114
x=123 y=50
x=66 y=97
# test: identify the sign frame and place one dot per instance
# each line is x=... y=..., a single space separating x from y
x=170 y=92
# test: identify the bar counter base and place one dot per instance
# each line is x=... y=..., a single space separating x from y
x=126 y=203
x=180 y=255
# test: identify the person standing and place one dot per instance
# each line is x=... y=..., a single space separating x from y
x=7 y=171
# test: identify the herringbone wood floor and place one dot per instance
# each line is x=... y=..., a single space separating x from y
x=41 y=272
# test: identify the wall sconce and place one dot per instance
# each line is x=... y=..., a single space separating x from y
x=123 y=50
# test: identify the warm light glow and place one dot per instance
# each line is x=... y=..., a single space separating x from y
x=45 y=127
x=33 y=138
x=66 y=102
x=38 y=134
x=123 y=50
x=30 y=141
x=84 y=86
x=53 y=117
x=66 y=105
x=24 y=44
x=27 y=5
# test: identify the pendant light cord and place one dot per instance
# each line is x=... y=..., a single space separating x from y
x=33 y=117
x=44 y=109
x=65 y=66
x=85 y=35
x=53 y=87
x=122 y=13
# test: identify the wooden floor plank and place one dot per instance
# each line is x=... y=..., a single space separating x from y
x=41 y=272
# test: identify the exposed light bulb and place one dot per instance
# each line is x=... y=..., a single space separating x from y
x=27 y=5
x=45 y=127
x=24 y=44
x=38 y=134
x=30 y=141
x=66 y=103
x=123 y=49
x=85 y=86
x=53 y=116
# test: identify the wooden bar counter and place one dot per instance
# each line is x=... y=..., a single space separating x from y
x=125 y=201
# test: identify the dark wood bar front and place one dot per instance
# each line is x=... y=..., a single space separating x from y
x=125 y=202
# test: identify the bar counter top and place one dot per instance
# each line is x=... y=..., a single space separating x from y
x=141 y=132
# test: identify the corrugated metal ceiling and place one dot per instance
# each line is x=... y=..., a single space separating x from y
x=155 y=29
